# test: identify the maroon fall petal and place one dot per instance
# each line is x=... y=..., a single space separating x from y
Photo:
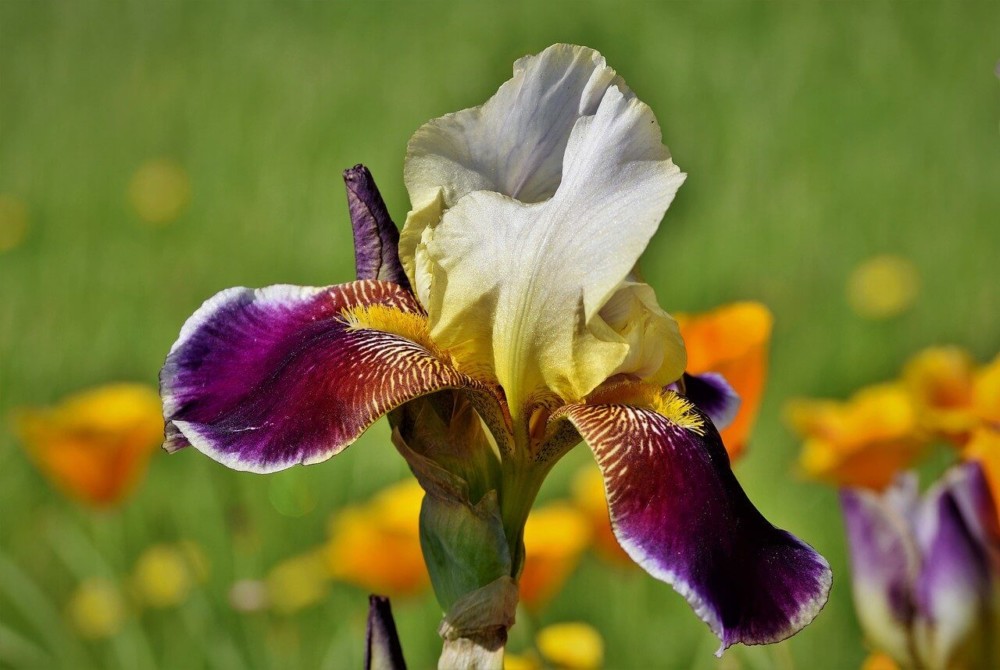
x=679 y=512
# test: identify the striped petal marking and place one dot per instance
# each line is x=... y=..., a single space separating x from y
x=261 y=380
x=679 y=512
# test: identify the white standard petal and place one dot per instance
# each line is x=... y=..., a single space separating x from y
x=520 y=287
x=513 y=144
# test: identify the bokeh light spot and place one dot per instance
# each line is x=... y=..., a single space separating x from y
x=883 y=287
x=575 y=646
x=160 y=191
x=96 y=610
x=248 y=596
x=13 y=222
x=162 y=577
x=291 y=495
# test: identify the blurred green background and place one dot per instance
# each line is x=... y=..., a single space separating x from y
x=814 y=137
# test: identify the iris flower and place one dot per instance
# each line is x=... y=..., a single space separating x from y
x=927 y=570
x=511 y=324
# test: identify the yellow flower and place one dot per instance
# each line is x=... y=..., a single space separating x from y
x=159 y=191
x=96 y=609
x=883 y=429
x=95 y=445
x=573 y=646
x=377 y=545
x=298 y=582
x=554 y=538
x=526 y=661
x=732 y=340
x=861 y=442
x=13 y=222
x=883 y=287
x=164 y=574
x=941 y=380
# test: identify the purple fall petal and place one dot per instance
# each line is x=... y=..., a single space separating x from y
x=261 y=380
x=679 y=512
x=714 y=396
x=376 y=238
x=382 y=648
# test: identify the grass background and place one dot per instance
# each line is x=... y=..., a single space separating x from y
x=814 y=137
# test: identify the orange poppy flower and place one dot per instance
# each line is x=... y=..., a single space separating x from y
x=732 y=340
x=984 y=446
x=879 y=661
x=554 y=538
x=986 y=394
x=863 y=441
x=571 y=646
x=95 y=445
x=376 y=545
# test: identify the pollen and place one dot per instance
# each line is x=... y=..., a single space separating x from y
x=679 y=410
x=390 y=320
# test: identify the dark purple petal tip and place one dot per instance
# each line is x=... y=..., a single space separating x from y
x=376 y=238
x=714 y=396
x=382 y=648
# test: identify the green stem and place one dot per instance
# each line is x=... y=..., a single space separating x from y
x=522 y=478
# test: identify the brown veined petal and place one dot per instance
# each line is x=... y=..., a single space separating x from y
x=679 y=512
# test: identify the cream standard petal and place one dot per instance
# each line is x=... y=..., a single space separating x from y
x=513 y=144
x=520 y=286
x=656 y=349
